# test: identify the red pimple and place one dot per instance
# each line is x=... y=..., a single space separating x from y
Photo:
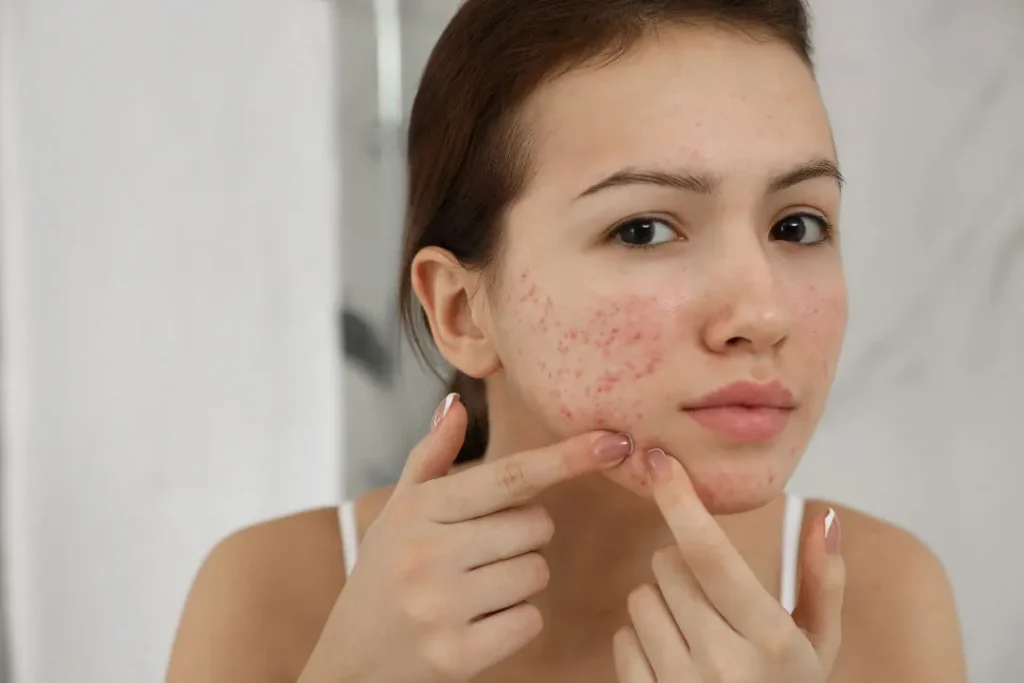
x=606 y=381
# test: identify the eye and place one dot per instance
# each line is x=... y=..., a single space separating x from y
x=644 y=232
x=803 y=228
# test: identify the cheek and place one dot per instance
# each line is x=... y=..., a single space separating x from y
x=588 y=358
x=819 y=327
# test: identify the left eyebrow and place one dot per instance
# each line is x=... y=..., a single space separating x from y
x=819 y=168
x=708 y=184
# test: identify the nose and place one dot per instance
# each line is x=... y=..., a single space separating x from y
x=747 y=312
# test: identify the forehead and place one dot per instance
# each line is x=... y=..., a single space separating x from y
x=712 y=99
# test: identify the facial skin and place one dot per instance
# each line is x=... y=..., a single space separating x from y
x=578 y=330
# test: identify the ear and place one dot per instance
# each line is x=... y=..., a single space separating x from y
x=457 y=309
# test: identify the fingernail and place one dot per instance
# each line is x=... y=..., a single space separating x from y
x=613 y=448
x=832 y=533
x=442 y=410
x=659 y=465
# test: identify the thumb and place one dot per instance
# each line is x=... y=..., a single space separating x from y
x=819 y=606
x=433 y=456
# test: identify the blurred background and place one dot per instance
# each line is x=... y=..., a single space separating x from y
x=200 y=213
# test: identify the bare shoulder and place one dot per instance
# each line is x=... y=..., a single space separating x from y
x=899 y=618
x=262 y=596
x=259 y=601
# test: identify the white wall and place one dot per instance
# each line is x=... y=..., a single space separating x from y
x=170 y=356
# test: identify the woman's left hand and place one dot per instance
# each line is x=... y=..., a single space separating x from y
x=710 y=620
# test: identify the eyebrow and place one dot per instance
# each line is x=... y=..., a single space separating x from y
x=708 y=184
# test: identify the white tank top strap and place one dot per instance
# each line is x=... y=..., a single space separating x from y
x=792 y=523
x=349 y=534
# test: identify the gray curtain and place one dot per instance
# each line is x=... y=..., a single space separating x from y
x=389 y=395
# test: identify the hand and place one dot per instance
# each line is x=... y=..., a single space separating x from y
x=709 y=618
x=438 y=593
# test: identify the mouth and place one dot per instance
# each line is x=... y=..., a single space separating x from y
x=744 y=412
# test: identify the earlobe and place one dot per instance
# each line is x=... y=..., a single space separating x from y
x=451 y=296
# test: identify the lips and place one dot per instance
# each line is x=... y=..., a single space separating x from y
x=744 y=412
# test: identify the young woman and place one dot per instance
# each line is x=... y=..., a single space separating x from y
x=623 y=224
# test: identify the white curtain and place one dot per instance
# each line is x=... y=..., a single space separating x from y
x=170 y=352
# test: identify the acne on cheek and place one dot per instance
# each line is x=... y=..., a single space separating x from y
x=619 y=343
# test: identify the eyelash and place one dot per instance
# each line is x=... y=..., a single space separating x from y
x=827 y=229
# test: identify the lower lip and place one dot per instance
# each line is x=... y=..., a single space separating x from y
x=743 y=424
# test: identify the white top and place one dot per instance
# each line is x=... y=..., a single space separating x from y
x=791 y=525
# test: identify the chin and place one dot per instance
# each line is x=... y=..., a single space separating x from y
x=726 y=484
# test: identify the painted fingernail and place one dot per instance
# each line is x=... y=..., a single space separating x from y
x=442 y=410
x=832 y=532
x=613 y=448
x=659 y=466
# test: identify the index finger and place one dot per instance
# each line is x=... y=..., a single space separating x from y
x=516 y=479
x=724 y=576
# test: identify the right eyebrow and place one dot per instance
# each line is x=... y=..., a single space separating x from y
x=691 y=182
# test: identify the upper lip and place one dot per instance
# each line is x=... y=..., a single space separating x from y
x=747 y=394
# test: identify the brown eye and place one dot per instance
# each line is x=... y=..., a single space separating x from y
x=802 y=228
x=644 y=232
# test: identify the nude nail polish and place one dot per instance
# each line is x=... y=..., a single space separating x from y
x=658 y=464
x=613 y=448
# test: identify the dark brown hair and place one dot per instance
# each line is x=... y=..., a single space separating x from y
x=467 y=152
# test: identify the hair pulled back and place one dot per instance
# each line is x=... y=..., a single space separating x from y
x=467 y=152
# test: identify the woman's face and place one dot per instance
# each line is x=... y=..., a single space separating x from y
x=677 y=235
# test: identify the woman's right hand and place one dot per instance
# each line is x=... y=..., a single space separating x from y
x=439 y=592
